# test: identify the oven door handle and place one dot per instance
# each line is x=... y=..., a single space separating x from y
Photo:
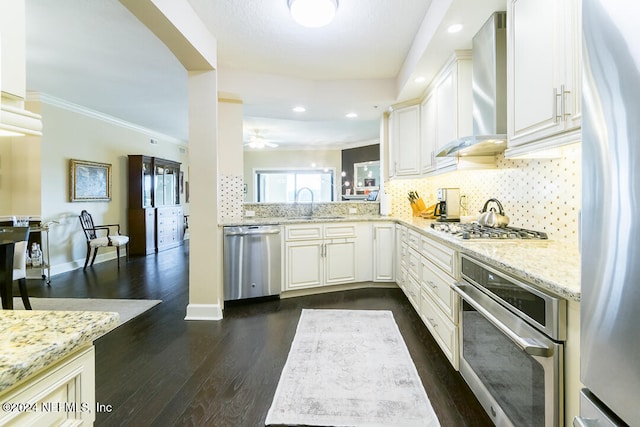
x=530 y=346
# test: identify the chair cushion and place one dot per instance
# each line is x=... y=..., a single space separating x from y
x=103 y=241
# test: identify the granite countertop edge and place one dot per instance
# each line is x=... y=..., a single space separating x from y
x=31 y=341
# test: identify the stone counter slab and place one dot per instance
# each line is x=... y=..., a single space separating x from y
x=32 y=340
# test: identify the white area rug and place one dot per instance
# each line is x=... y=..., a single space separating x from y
x=127 y=308
x=350 y=368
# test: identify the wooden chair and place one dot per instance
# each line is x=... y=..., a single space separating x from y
x=94 y=241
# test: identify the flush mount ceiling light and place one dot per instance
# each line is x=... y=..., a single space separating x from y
x=299 y=109
x=313 y=13
x=351 y=115
x=455 y=28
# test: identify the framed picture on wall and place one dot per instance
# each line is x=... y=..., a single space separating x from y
x=89 y=181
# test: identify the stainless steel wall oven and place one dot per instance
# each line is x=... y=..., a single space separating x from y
x=511 y=346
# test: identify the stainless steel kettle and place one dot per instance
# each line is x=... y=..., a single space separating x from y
x=491 y=218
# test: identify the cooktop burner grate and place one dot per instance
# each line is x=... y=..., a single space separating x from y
x=470 y=231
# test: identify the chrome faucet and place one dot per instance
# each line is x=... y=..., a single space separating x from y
x=310 y=192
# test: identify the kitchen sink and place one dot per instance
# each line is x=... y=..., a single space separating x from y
x=319 y=217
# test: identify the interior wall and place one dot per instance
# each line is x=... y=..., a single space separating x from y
x=71 y=134
x=287 y=159
x=20 y=176
x=352 y=156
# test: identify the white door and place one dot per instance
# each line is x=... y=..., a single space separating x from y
x=340 y=261
x=383 y=252
x=304 y=264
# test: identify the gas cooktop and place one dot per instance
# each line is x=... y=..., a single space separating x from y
x=474 y=230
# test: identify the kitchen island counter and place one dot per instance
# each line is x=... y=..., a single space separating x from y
x=31 y=341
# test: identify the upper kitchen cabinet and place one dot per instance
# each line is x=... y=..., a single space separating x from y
x=452 y=117
x=12 y=48
x=404 y=135
x=543 y=74
x=429 y=134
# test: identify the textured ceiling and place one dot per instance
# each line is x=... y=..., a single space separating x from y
x=368 y=39
x=96 y=54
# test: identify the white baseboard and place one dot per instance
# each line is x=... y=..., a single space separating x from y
x=78 y=263
x=204 y=312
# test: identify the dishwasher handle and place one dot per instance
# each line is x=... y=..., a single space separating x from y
x=256 y=232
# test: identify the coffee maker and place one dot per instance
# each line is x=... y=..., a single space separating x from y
x=448 y=206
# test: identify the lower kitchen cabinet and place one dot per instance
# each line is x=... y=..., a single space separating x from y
x=319 y=255
x=444 y=331
x=63 y=394
x=383 y=252
x=427 y=271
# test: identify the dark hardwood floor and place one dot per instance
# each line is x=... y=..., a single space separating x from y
x=161 y=370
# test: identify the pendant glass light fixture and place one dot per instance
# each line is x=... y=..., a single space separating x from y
x=313 y=13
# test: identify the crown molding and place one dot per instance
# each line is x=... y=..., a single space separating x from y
x=88 y=112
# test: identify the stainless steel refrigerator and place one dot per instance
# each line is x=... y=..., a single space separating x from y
x=610 y=229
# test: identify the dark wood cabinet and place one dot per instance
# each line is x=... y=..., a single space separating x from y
x=156 y=218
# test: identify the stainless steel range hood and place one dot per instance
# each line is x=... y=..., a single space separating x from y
x=489 y=69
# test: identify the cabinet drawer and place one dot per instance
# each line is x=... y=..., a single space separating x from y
x=440 y=286
x=69 y=384
x=303 y=232
x=412 y=290
x=442 y=329
x=339 y=230
x=414 y=264
x=440 y=255
x=413 y=239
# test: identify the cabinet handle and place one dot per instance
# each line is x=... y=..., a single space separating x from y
x=555 y=104
x=375 y=233
x=564 y=102
x=433 y=285
x=433 y=323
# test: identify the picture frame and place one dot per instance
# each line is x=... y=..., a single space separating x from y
x=89 y=181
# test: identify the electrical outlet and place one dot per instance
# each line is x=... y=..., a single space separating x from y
x=353 y=211
x=249 y=213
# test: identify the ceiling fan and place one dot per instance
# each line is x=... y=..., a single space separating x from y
x=258 y=141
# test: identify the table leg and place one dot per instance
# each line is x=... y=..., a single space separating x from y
x=6 y=275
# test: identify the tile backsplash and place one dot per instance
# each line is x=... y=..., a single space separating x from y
x=539 y=194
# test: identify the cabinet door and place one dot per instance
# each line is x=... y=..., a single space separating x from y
x=406 y=140
x=447 y=118
x=543 y=71
x=304 y=264
x=340 y=261
x=428 y=130
x=383 y=252
x=12 y=48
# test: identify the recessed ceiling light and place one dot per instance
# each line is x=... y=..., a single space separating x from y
x=420 y=79
x=313 y=13
x=351 y=115
x=455 y=28
x=299 y=109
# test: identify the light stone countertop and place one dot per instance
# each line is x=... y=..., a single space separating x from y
x=548 y=264
x=30 y=341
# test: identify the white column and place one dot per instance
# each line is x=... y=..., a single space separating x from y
x=205 y=263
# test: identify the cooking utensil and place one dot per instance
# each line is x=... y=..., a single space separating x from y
x=491 y=218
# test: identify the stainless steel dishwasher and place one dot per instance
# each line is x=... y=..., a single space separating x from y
x=252 y=261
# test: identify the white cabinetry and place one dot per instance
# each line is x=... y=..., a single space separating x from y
x=63 y=394
x=427 y=272
x=543 y=74
x=438 y=301
x=428 y=129
x=383 y=252
x=404 y=125
x=449 y=109
x=319 y=254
